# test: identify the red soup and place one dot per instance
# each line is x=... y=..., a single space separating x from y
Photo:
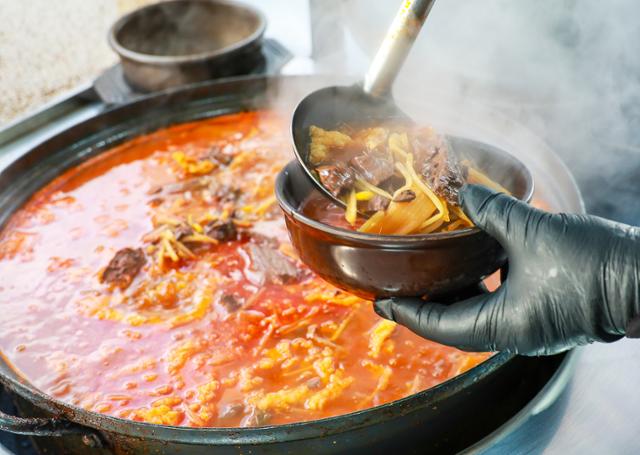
x=155 y=282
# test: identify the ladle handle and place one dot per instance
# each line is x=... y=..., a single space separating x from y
x=396 y=46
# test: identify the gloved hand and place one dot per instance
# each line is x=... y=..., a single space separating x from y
x=573 y=279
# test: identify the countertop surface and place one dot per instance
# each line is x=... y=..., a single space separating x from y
x=46 y=51
x=598 y=413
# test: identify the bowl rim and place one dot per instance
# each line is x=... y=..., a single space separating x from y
x=140 y=57
x=376 y=239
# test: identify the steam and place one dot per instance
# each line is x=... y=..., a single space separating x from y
x=567 y=69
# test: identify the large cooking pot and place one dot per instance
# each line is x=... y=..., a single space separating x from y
x=445 y=418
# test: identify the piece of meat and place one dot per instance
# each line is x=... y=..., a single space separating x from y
x=392 y=184
x=231 y=303
x=155 y=189
x=155 y=202
x=181 y=231
x=373 y=167
x=438 y=165
x=405 y=196
x=324 y=142
x=123 y=267
x=222 y=231
x=275 y=267
x=377 y=203
x=444 y=174
x=336 y=177
x=222 y=155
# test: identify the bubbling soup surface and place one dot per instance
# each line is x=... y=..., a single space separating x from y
x=155 y=282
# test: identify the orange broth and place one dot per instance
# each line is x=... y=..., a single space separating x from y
x=166 y=349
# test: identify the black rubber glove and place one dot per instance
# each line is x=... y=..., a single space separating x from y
x=573 y=279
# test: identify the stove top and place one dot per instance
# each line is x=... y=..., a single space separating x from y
x=596 y=413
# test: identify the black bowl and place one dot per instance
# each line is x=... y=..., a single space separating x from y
x=370 y=265
x=178 y=42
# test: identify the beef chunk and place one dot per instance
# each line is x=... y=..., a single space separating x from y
x=438 y=165
x=222 y=231
x=445 y=175
x=405 y=196
x=273 y=265
x=123 y=268
x=231 y=303
x=155 y=202
x=377 y=203
x=373 y=167
x=221 y=155
x=336 y=177
x=181 y=231
x=155 y=189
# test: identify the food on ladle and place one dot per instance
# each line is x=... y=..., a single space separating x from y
x=404 y=180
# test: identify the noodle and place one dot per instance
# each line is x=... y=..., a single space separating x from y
x=432 y=228
x=475 y=176
x=352 y=208
x=461 y=215
x=435 y=218
x=399 y=149
x=401 y=181
x=364 y=195
x=366 y=186
x=374 y=220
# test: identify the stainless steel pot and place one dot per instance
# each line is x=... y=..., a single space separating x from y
x=178 y=42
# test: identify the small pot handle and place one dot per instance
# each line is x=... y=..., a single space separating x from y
x=37 y=426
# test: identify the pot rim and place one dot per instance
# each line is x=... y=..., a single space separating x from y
x=168 y=60
x=258 y=435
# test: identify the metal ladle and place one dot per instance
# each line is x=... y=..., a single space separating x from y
x=376 y=265
x=364 y=102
